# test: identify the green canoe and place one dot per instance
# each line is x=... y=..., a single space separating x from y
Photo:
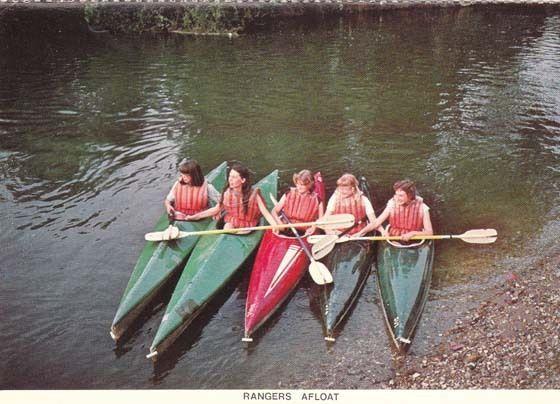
x=350 y=265
x=404 y=276
x=158 y=262
x=213 y=262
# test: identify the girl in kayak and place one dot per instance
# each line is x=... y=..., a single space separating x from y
x=191 y=193
x=347 y=198
x=408 y=215
x=239 y=201
x=300 y=204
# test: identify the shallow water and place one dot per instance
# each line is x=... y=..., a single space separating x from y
x=466 y=102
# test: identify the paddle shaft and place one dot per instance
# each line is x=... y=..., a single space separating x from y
x=480 y=236
x=318 y=271
x=243 y=229
x=426 y=237
x=301 y=242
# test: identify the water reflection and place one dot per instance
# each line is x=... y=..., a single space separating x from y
x=464 y=101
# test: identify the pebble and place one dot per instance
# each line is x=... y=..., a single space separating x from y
x=472 y=358
x=456 y=347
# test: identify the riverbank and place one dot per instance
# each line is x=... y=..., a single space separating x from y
x=229 y=18
x=509 y=340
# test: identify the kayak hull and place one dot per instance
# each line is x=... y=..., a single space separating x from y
x=213 y=262
x=350 y=264
x=157 y=263
x=404 y=276
x=279 y=266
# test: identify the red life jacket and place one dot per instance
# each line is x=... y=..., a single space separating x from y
x=189 y=199
x=233 y=205
x=406 y=218
x=301 y=208
x=355 y=207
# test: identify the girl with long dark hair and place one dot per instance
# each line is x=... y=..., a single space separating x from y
x=191 y=193
x=238 y=201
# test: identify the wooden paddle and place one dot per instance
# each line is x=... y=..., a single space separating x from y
x=326 y=239
x=318 y=271
x=324 y=244
x=331 y=222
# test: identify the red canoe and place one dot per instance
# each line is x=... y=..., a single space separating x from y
x=279 y=266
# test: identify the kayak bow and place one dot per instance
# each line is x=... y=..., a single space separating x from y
x=212 y=264
x=157 y=263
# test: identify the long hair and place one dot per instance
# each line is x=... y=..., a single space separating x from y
x=245 y=173
x=349 y=180
x=192 y=168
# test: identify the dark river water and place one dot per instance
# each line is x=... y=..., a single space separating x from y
x=466 y=102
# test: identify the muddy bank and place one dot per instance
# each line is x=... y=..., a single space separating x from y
x=33 y=19
x=508 y=339
x=195 y=18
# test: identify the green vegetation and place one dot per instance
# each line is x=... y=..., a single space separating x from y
x=196 y=19
x=89 y=13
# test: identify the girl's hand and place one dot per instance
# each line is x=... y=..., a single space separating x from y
x=407 y=236
x=358 y=234
x=309 y=231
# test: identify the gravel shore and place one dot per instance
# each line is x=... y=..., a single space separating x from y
x=509 y=341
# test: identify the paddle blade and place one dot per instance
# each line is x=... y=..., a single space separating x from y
x=324 y=247
x=315 y=238
x=170 y=233
x=154 y=236
x=479 y=236
x=479 y=233
x=320 y=273
x=336 y=222
x=481 y=240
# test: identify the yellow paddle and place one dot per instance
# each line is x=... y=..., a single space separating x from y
x=332 y=222
x=323 y=245
x=318 y=271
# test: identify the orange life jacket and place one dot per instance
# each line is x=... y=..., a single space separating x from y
x=189 y=199
x=406 y=218
x=235 y=214
x=301 y=208
x=355 y=207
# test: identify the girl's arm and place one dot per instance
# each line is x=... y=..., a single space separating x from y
x=168 y=201
x=312 y=229
x=329 y=211
x=426 y=231
x=214 y=210
x=370 y=213
x=375 y=224
x=277 y=210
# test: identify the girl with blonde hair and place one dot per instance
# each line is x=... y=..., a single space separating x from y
x=301 y=203
x=347 y=198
